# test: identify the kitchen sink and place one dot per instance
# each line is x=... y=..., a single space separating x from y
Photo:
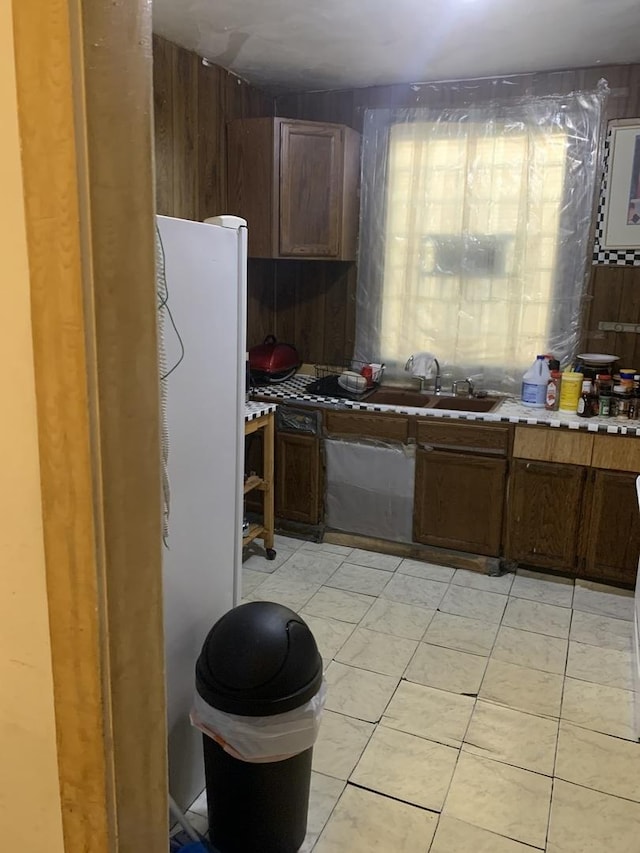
x=403 y=397
x=466 y=404
x=398 y=397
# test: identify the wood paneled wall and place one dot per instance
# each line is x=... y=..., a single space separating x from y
x=315 y=309
x=309 y=304
x=613 y=292
x=192 y=105
x=312 y=304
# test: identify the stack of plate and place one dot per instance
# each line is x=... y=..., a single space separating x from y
x=352 y=382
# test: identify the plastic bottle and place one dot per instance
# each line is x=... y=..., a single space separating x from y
x=534 y=383
x=553 y=386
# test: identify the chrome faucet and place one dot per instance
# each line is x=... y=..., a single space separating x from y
x=437 y=383
x=458 y=382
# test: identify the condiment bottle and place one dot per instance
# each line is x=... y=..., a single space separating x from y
x=552 y=400
x=585 y=407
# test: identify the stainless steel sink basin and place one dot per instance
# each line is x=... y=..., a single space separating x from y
x=466 y=404
x=398 y=397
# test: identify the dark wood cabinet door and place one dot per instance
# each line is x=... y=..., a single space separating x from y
x=311 y=171
x=545 y=504
x=297 y=477
x=459 y=501
x=613 y=541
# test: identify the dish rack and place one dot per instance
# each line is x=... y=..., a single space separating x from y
x=324 y=370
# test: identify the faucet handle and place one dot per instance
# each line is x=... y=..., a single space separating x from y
x=409 y=363
x=468 y=382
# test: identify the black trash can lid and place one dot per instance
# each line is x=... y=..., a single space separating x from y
x=259 y=659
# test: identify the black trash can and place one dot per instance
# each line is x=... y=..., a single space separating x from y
x=259 y=660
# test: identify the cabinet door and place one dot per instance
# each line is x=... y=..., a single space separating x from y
x=613 y=542
x=545 y=503
x=459 y=501
x=298 y=477
x=311 y=167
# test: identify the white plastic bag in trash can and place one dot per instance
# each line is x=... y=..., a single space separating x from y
x=262 y=739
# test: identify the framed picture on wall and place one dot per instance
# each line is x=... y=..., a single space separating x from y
x=621 y=224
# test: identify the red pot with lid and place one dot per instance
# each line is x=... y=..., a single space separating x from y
x=271 y=361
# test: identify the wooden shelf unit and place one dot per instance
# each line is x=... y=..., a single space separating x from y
x=265 y=531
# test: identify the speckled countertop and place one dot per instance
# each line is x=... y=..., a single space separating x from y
x=509 y=411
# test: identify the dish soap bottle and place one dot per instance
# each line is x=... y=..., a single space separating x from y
x=534 y=383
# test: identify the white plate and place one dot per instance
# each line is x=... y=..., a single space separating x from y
x=597 y=358
x=352 y=382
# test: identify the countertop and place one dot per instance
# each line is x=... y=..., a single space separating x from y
x=255 y=409
x=293 y=391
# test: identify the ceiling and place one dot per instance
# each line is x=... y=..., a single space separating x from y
x=333 y=44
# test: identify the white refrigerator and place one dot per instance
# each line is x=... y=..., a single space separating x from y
x=636 y=642
x=204 y=333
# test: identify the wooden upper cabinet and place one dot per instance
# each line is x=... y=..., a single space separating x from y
x=296 y=184
x=544 y=512
x=613 y=542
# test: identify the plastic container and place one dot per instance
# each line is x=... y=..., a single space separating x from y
x=260 y=693
x=534 y=383
x=552 y=399
x=570 y=390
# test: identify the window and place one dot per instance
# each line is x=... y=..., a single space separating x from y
x=476 y=233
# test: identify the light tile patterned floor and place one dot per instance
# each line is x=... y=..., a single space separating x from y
x=465 y=713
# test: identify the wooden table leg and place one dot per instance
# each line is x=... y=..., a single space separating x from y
x=268 y=439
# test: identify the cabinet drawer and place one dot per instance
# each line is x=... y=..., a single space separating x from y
x=490 y=439
x=553 y=445
x=367 y=426
x=616 y=452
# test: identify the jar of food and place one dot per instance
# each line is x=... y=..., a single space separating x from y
x=626 y=377
x=604 y=383
x=620 y=402
x=604 y=404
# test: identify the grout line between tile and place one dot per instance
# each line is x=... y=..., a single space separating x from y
x=395 y=799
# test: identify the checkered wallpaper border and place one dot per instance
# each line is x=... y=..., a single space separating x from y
x=612 y=257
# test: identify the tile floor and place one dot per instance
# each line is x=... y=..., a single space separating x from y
x=465 y=713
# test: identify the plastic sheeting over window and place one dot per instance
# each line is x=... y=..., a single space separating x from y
x=474 y=233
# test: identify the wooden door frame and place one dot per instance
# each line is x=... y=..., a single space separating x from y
x=84 y=72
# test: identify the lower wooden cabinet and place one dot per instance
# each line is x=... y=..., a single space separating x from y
x=612 y=527
x=459 y=501
x=544 y=511
x=297 y=477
